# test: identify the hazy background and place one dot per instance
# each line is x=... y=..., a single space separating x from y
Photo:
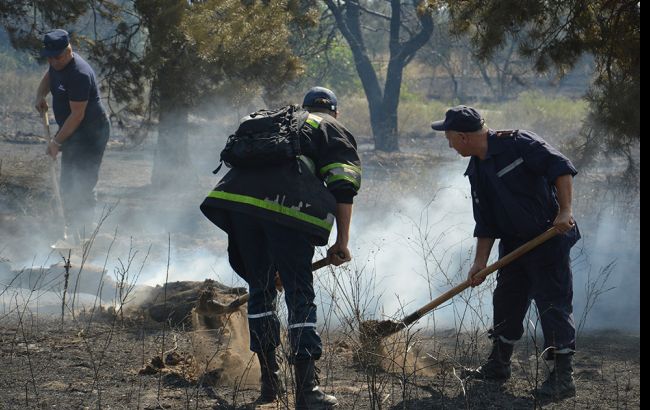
x=412 y=225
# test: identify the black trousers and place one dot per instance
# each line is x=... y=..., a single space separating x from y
x=266 y=247
x=82 y=155
x=547 y=279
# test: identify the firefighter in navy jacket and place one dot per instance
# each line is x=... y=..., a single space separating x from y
x=274 y=217
x=521 y=186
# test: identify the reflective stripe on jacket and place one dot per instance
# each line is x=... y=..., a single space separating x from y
x=294 y=194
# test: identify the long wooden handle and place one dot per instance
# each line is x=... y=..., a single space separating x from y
x=46 y=125
x=53 y=173
x=244 y=298
x=533 y=243
x=320 y=263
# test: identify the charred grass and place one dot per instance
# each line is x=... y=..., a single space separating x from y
x=49 y=365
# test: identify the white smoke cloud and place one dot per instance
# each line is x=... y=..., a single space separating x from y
x=412 y=241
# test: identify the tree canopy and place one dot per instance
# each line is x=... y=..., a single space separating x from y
x=171 y=56
x=183 y=52
x=555 y=34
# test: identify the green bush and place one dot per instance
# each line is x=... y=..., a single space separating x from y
x=334 y=69
x=556 y=119
x=18 y=89
x=414 y=115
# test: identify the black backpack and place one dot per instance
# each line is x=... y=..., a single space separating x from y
x=265 y=138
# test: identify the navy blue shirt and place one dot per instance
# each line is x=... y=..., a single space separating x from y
x=513 y=187
x=76 y=82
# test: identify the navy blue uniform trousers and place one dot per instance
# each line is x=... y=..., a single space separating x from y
x=266 y=247
x=543 y=276
x=82 y=155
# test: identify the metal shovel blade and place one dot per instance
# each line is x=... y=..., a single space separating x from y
x=63 y=244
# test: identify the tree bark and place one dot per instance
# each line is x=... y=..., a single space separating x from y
x=382 y=105
x=171 y=159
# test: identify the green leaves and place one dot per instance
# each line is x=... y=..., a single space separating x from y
x=556 y=33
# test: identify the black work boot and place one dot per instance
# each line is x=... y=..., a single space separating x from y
x=497 y=366
x=271 y=384
x=308 y=394
x=560 y=383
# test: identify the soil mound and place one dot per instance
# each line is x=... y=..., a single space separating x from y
x=220 y=350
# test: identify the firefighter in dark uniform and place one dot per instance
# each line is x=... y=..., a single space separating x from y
x=84 y=128
x=274 y=217
x=521 y=186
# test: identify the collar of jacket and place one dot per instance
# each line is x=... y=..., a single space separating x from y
x=495 y=147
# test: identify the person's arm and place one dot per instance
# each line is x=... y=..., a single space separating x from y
x=564 y=221
x=77 y=112
x=483 y=249
x=339 y=252
x=41 y=92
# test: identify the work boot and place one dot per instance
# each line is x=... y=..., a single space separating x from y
x=497 y=366
x=271 y=384
x=308 y=394
x=560 y=383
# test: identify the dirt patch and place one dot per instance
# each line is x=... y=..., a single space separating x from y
x=98 y=365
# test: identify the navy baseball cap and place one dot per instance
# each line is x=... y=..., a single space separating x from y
x=320 y=97
x=54 y=42
x=460 y=118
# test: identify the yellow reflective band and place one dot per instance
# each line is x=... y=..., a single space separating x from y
x=274 y=207
x=314 y=120
x=348 y=167
x=313 y=123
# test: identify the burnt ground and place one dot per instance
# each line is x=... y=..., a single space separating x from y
x=97 y=363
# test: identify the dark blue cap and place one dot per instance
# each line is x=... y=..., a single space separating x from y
x=460 y=118
x=54 y=43
x=320 y=97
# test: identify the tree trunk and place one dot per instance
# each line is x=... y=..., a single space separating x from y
x=385 y=133
x=171 y=160
x=382 y=106
x=385 y=128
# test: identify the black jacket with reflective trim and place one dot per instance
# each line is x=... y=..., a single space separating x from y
x=293 y=194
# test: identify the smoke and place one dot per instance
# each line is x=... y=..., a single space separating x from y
x=421 y=244
x=416 y=244
x=411 y=238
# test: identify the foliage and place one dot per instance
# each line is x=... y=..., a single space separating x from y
x=556 y=34
x=168 y=57
x=15 y=82
x=332 y=67
x=415 y=115
x=557 y=119
x=214 y=46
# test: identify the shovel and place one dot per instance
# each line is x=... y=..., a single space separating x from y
x=53 y=173
x=388 y=327
x=61 y=244
x=212 y=307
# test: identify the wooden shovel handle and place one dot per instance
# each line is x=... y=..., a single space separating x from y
x=53 y=172
x=533 y=243
x=46 y=125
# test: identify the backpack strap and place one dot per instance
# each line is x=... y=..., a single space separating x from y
x=216 y=171
x=298 y=118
